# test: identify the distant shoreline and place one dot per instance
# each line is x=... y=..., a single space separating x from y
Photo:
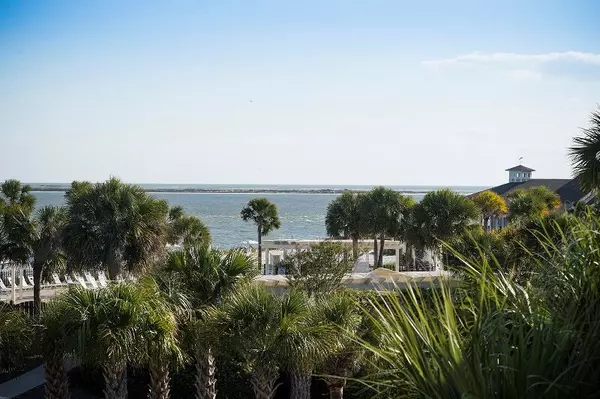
x=233 y=190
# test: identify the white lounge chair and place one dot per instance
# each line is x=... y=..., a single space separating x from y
x=56 y=279
x=80 y=280
x=3 y=286
x=68 y=279
x=102 y=279
x=19 y=286
x=91 y=280
x=10 y=281
x=29 y=280
x=24 y=283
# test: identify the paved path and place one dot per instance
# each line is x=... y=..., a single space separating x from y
x=26 y=381
x=23 y=383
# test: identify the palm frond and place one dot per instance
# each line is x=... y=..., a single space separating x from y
x=584 y=154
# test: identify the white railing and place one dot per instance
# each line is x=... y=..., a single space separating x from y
x=16 y=282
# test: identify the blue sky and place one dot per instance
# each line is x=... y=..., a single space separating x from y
x=314 y=92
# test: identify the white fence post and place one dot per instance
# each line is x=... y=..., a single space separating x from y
x=12 y=286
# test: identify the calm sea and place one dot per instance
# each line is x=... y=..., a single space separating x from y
x=302 y=215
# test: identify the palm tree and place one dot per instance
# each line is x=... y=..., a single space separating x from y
x=251 y=319
x=46 y=246
x=384 y=209
x=16 y=207
x=342 y=313
x=115 y=225
x=441 y=215
x=161 y=332
x=303 y=342
x=13 y=193
x=39 y=238
x=584 y=154
x=15 y=235
x=185 y=229
x=204 y=276
x=264 y=214
x=490 y=205
x=533 y=203
x=58 y=325
x=110 y=328
x=344 y=218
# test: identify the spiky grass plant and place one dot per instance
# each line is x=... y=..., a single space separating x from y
x=491 y=337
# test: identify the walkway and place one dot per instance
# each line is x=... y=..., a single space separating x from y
x=26 y=382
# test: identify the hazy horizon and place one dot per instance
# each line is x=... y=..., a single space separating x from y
x=393 y=93
x=61 y=184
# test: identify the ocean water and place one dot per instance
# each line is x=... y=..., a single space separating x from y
x=302 y=215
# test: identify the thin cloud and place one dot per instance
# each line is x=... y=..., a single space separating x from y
x=511 y=59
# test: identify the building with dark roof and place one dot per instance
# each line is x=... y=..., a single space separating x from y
x=519 y=173
x=520 y=177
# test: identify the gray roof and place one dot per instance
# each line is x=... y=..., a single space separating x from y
x=520 y=168
x=567 y=189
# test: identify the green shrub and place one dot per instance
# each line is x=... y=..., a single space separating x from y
x=16 y=335
x=492 y=337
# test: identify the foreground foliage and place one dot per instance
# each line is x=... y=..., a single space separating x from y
x=15 y=338
x=494 y=338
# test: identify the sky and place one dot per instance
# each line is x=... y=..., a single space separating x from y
x=294 y=92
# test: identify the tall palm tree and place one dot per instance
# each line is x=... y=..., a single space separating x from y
x=46 y=243
x=443 y=214
x=185 y=229
x=115 y=225
x=344 y=218
x=384 y=209
x=205 y=275
x=16 y=208
x=15 y=234
x=584 y=154
x=38 y=238
x=264 y=214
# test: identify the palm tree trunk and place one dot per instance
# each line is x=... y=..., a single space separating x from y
x=37 y=283
x=435 y=257
x=407 y=256
x=112 y=264
x=336 y=388
x=263 y=382
x=55 y=375
x=485 y=223
x=206 y=381
x=375 y=252
x=115 y=381
x=381 y=246
x=260 y=265
x=355 y=247
x=159 y=381
x=300 y=386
